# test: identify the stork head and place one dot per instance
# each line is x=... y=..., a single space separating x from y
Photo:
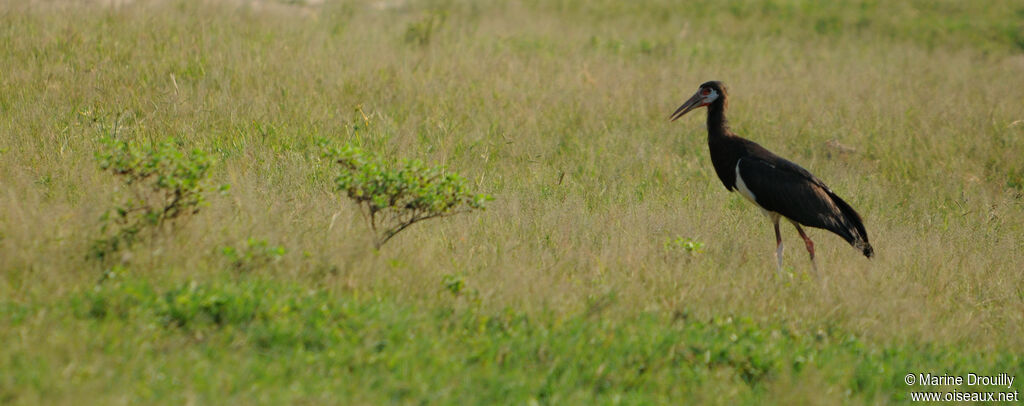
x=708 y=93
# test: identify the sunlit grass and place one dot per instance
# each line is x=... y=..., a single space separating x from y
x=910 y=111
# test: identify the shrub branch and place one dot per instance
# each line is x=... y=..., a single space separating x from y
x=394 y=196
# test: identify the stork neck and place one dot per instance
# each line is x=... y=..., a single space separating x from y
x=717 y=124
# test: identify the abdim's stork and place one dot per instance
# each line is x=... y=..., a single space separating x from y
x=779 y=187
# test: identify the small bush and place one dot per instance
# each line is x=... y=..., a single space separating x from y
x=394 y=196
x=421 y=31
x=163 y=184
x=255 y=254
x=454 y=284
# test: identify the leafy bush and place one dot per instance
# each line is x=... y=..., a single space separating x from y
x=421 y=31
x=393 y=196
x=454 y=284
x=163 y=184
x=255 y=254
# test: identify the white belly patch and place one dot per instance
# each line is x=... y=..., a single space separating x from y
x=745 y=192
x=742 y=187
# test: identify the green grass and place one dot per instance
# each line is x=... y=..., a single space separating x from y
x=239 y=340
x=611 y=267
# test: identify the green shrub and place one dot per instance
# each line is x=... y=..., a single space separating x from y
x=255 y=254
x=394 y=196
x=161 y=183
x=421 y=31
x=454 y=284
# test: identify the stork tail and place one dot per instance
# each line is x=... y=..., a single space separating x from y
x=854 y=231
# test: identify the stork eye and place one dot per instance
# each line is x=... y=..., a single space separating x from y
x=705 y=92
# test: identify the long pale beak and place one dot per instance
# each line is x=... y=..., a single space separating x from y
x=691 y=104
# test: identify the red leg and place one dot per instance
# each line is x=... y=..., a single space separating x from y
x=810 y=247
x=807 y=240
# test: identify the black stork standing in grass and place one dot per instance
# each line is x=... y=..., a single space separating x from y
x=779 y=187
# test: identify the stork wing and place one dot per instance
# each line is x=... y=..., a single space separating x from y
x=786 y=188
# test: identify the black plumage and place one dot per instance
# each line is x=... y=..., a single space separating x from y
x=779 y=187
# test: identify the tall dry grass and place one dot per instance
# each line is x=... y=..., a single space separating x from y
x=558 y=110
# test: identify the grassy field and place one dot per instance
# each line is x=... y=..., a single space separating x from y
x=574 y=286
